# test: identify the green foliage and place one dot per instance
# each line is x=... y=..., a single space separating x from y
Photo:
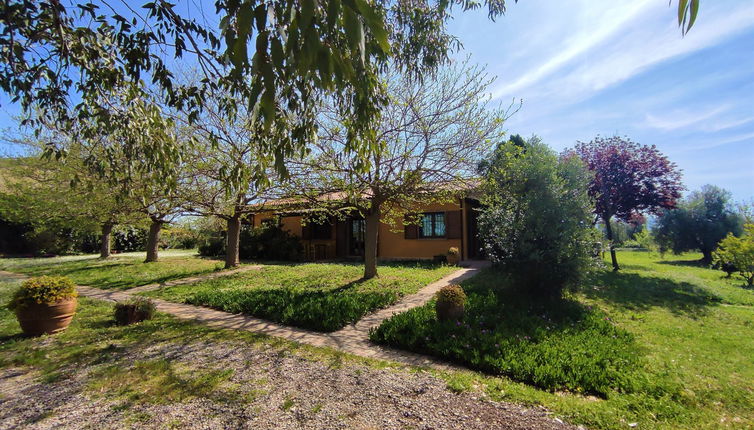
x=451 y=294
x=323 y=297
x=43 y=290
x=180 y=237
x=737 y=254
x=454 y=251
x=701 y=220
x=537 y=217
x=129 y=239
x=257 y=243
x=313 y=309
x=134 y=310
x=645 y=240
x=554 y=345
x=450 y=302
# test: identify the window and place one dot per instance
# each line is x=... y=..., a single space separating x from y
x=433 y=225
x=321 y=231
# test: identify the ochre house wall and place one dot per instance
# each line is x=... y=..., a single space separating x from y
x=393 y=245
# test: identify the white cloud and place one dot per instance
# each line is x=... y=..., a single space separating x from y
x=622 y=45
x=682 y=119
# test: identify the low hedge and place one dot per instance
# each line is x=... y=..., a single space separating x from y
x=560 y=345
x=313 y=309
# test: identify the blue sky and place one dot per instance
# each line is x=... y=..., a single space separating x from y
x=615 y=67
x=609 y=67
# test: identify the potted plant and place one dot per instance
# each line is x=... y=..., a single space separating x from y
x=454 y=256
x=44 y=304
x=134 y=310
x=451 y=302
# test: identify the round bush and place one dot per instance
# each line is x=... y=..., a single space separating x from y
x=43 y=290
x=450 y=302
x=133 y=311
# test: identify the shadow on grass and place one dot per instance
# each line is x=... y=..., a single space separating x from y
x=687 y=263
x=638 y=293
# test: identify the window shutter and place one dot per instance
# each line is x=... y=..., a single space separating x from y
x=453 y=225
x=410 y=231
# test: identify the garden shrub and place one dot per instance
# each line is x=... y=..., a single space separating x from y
x=313 y=309
x=736 y=254
x=43 y=289
x=536 y=221
x=258 y=243
x=129 y=239
x=556 y=344
x=134 y=310
x=212 y=246
x=450 y=302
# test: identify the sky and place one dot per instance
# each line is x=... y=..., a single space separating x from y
x=612 y=67
x=620 y=67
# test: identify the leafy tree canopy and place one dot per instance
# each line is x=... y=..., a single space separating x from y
x=537 y=217
x=701 y=220
x=629 y=179
x=64 y=61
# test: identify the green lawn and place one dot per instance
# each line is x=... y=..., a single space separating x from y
x=687 y=362
x=101 y=353
x=318 y=296
x=117 y=272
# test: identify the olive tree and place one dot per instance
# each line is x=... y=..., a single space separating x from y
x=699 y=222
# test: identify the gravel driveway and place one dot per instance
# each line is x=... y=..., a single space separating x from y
x=274 y=388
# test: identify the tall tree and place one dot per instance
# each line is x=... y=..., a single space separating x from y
x=700 y=221
x=45 y=195
x=226 y=169
x=429 y=139
x=629 y=179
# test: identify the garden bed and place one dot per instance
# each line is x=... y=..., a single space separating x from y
x=560 y=345
x=322 y=297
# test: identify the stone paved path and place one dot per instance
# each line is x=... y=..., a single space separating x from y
x=352 y=339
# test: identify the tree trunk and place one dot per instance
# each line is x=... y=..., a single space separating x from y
x=231 y=248
x=609 y=231
x=707 y=256
x=153 y=240
x=371 y=234
x=104 y=250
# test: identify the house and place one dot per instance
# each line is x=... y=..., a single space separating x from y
x=441 y=226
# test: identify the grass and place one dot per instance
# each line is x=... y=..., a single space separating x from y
x=691 y=326
x=120 y=271
x=692 y=330
x=96 y=348
x=323 y=297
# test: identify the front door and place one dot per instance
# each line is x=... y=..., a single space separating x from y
x=356 y=237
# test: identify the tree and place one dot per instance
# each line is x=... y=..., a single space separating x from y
x=225 y=169
x=43 y=196
x=701 y=220
x=430 y=138
x=63 y=62
x=536 y=221
x=629 y=179
x=738 y=253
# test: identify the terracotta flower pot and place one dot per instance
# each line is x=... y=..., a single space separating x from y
x=453 y=259
x=38 y=319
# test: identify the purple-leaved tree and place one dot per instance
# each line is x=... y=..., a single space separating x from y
x=629 y=178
